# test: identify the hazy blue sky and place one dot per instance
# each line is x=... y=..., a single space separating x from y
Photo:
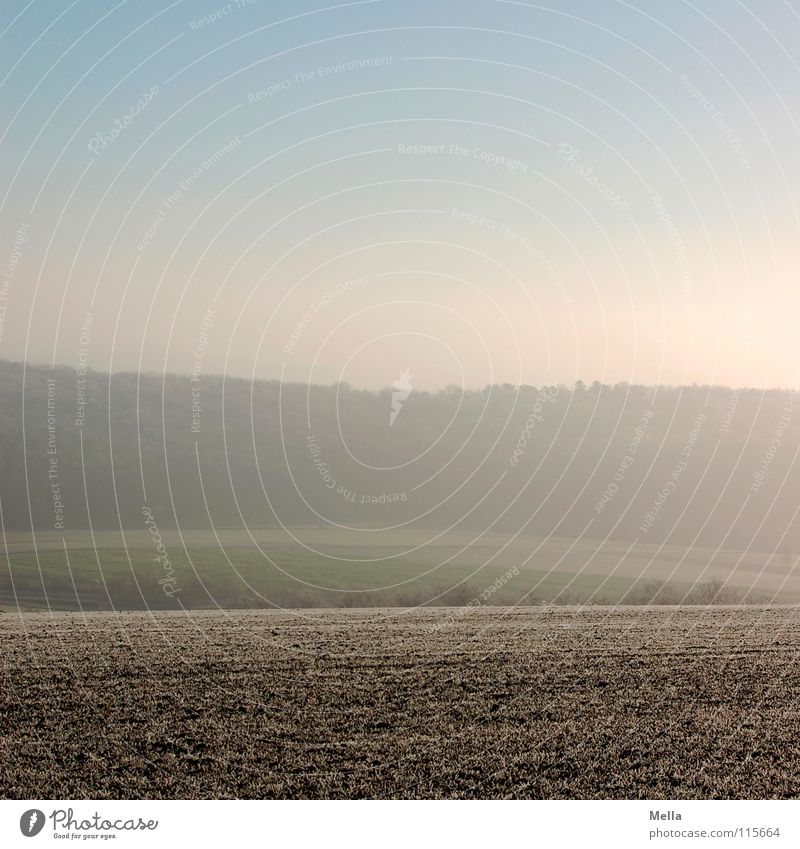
x=606 y=191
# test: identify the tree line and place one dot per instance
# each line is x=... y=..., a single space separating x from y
x=704 y=465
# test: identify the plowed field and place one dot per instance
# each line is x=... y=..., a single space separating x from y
x=545 y=702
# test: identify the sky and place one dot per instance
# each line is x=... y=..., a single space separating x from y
x=472 y=193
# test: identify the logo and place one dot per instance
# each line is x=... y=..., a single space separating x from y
x=31 y=822
x=402 y=389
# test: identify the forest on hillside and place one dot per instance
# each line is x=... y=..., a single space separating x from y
x=675 y=464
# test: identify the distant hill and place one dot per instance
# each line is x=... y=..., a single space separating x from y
x=705 y=465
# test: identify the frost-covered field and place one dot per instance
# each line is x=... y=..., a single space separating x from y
x=545 y=702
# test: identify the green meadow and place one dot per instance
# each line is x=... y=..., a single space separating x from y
x=334 y=567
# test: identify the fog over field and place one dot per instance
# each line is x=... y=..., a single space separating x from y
x=363 y=498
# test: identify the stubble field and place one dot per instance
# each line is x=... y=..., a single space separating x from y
x=545 y=702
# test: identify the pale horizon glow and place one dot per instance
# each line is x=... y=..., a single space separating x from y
x=503 y=194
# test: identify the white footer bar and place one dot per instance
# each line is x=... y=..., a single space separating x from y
x=386 y=824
